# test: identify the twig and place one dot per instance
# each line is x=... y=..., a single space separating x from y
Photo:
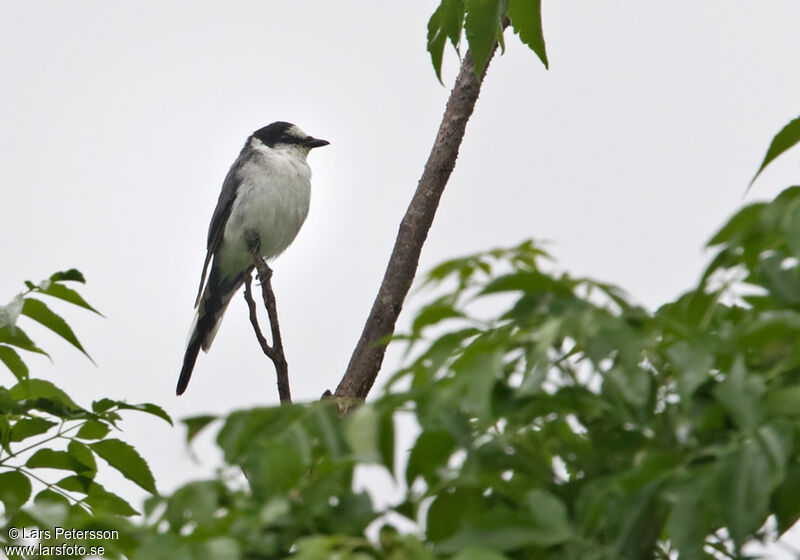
x=275 y=351
x=369 y=352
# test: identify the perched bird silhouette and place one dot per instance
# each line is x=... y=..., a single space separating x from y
x=263 y=203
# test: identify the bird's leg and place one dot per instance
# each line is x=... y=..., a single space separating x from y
x=253 y=241
x=263 y=270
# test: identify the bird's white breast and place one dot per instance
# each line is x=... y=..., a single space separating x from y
x=272 y=201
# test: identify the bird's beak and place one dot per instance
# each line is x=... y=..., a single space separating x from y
x=312 y=142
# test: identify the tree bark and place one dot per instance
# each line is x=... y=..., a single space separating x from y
x=275 y=351
x=367 y=357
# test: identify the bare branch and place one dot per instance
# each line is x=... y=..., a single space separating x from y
x=275 y=351
x=251 y=305
x=367 y=357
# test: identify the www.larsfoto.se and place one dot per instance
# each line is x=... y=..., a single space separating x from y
x=39 y=550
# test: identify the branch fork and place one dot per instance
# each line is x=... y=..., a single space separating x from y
x=368 y=355
x=274 y=351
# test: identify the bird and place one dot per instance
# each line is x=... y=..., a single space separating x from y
x=264 y=201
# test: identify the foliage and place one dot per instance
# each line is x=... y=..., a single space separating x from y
x=44 y=432
x=785 y=139
x=556 y=419
x=483 y=22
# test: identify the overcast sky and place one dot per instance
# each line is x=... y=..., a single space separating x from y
x=120 y=121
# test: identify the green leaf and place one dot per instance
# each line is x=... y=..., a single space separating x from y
x=277 y=466
x=791 y=226
x=783 y=402
x=127 y=461
x=56 y=290
x=71 y=275
x=504 y=530
x=741 y=393
x=50 y=459
x=739 y=226
x=100 y=499
x=166 y=546
x=318 y=547
x=785 y=504
x=83 y=454
x=782 y=283
x=549 y=513
x=49 y=509
x=27 y=427
x=386 y=440
x=632 y=384
x=195 y=502
x=777 y=442
x=771 y=327
x=152 y=503
x=9 y=406
x=149 y=408
x=33 y=389
x=324 y=424
x=462 y=269
x=15 y=489
x=531 y=282
x=13 y=361
x=223 y=548
x=526 y=20
x=363 y=434
x=743 y=490
x=477 y=371
x=103 y=405
x=48 y=496
x=483 y=23
x=431 y=451
x=92 y=429
x=243 y=427
x=692 y=367
x=197 y=424
x=439 y=352
x=275 y=509
x=15 y=336
x=479 y=553
x=449 y=511
x=5 y=433
x=38 y=311
x=785 y=139
x=445 y=23
x=434 y=313
x=691 y=517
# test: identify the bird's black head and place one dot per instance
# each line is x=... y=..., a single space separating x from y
x=281 y=132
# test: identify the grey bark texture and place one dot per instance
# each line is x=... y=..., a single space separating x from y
x=275 y=351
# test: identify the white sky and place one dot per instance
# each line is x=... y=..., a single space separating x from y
x=120 y=120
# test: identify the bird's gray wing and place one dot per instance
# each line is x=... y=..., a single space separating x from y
x=221 y=213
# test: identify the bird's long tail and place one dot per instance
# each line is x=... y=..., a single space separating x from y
x=215 y=299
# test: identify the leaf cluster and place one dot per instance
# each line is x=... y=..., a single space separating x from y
x=569 y=423
x=44 y=432
x=483 y=22
x=298 y=463
x=13 y=338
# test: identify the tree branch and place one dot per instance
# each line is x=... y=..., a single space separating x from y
x=367 y=357
x=274 y=352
